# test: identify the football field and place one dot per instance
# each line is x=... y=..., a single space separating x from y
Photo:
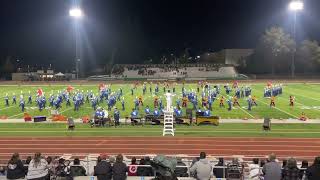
x=307 y=100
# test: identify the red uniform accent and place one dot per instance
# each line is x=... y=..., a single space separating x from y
x=132 y=170
x=40 y=92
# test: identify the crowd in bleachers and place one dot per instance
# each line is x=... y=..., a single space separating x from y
x=118 y=69
x=40 y=168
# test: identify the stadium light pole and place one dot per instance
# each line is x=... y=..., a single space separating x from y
x=295 y=6
x=76 y=13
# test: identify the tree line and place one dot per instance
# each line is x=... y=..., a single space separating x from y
x=276 y=50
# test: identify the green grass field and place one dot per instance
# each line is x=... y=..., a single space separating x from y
x=223 y=130
x=307 y=98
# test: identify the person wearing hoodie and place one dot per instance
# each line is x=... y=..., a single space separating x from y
x=103 y=169
x=15 y=168
x=202 y=168
x=119 y=169
x=272 y=169
x=313 y=172
x=291 y=171
x=38 y=168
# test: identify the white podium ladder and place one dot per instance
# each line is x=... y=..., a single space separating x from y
x=168 y=128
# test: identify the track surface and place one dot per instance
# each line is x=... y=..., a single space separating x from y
x=306 y=148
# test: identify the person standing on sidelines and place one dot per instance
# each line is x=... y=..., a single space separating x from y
x=6 y=98
x=272 y=102
x=116 y=116
x=291 y=99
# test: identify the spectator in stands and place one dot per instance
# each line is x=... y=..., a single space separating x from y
x=272 y=169
x=99 y=159
x=133 y=168
x=38 y=168
x=67 y=168
x=50 y=164
x=3 y=171
x=181 y=171
x=313 y=172
x=148 y=162
x=15 y=168
x=112 y=160
x=103 y=170
x=144 y=171
x=304 y=166
x=53 y=168
x=76 y=169
x=234 y=169
x=29 y=158
x=194 y=160
x=284 y=163
x=60 y=169
x=218 y=171
x=254 y=170
x=202 y=168
x=291 y=171
x=119 y=169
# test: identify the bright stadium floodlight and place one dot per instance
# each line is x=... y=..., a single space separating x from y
x=75 y=12
x=296 y=5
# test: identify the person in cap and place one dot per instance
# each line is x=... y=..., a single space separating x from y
x=103 y=169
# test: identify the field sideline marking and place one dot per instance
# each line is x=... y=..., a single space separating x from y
x=301 y=104
x=166 y=149
x=302 y=95
x=249 y=132
x=7 y=108
x=165 y=140
x=246 y=112
x=242 y=109
x=174 y=144
x=279 y=109
x=15 y=115
x=147 y=128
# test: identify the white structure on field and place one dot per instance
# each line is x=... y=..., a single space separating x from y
x=168 y=128
x=169 y=101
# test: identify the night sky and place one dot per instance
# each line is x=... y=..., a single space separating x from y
x=41 y=31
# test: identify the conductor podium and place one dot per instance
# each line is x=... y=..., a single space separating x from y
x=201 y=119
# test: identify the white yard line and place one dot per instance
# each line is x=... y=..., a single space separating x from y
x=6 y=108
x=280 y=110
x=243 y=109
x=65 y=110
x=298 y=94
x=246 y=112
x=300 y=104
x=15 y=115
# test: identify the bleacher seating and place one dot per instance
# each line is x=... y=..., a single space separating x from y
x=89 y=162
x=169 y=71
x=194 y=71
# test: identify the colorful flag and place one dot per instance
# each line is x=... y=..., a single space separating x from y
x=69 y=88
x=39 y=92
